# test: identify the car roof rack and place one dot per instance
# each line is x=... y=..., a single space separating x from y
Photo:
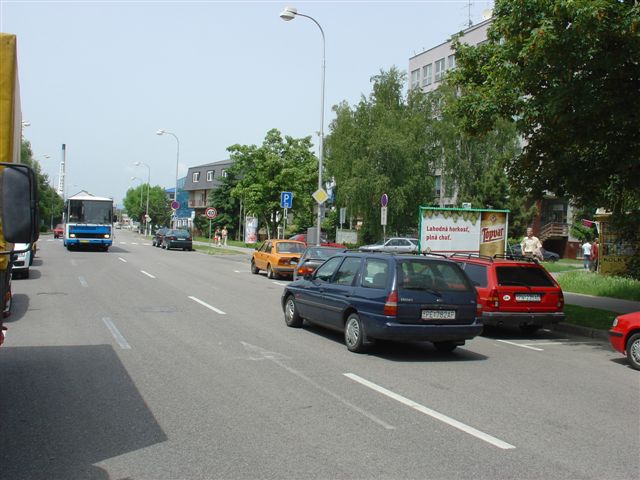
x=471 y=255
x=511 y=256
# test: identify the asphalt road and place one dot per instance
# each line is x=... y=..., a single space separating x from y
x=145 y=364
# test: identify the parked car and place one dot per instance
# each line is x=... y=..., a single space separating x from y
x=547 y=256
x=177 y=239
x=624 y=337
x=393 y=245
x=312 y=258
x=58 y=231
x=518 y=293
x=156 y=241
x=277 y=257
x=370 y=296
x=22 y=260
x=324 y=241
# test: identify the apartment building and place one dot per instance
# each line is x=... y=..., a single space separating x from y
x=201 y=180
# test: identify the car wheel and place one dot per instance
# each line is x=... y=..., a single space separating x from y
x=255 y=270
x=354 y=337
x=529 y=329
x=633 y=351
x=445 y=347
x=270 y=273
x=291 y=316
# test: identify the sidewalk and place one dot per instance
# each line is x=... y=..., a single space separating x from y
x=603 y=303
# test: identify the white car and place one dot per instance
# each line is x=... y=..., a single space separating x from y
x=393 y=245
x=22 y=260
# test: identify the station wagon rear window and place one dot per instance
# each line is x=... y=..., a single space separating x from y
x=431 y=275
x=515 y=275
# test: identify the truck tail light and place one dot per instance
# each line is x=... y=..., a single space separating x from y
x=391 y=304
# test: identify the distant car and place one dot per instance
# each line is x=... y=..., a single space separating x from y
x=156 y=241
x=370 y=296
x=624 y=337
x=22 y=260
x=177 y=239
x=277 y=257
x=312 y=258
x=547 y=256
x=58 y=231
x=393 y=245
x=324 y=241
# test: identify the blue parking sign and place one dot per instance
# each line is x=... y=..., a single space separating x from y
x=286 y=199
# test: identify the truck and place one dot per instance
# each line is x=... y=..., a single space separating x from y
x=89 y=221
x=18 y=186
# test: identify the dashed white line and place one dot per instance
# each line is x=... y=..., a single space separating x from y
x=432 y=413
x=134 y=243
x=147 y=274
x=207 y=305
x=122 y=259
x=123 y=243
x=83 y=282
x=116 y=334
x=521 y=345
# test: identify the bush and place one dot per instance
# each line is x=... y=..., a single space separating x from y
x=633 y=267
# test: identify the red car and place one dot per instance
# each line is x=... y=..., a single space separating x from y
x=58 y=232
x=302 y=237
x=625 y=337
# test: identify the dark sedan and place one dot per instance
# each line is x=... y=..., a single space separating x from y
x=312 y=258
x=177 y=239
x=547 y=256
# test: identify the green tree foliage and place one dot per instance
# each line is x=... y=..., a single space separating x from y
x=135 y=204
x=566 y=72
x=279 y=164
x=227 y=206
x=381 y=145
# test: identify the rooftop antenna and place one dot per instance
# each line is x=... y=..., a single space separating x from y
x=470 y=22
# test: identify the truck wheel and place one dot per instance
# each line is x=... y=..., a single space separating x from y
x=633 y=351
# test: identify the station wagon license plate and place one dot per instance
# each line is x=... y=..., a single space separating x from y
x=182 y=239
x=528 y=297
x=438 y=314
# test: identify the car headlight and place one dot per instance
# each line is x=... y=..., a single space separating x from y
x=107 y=235
x=72 y=235
x=615 y=322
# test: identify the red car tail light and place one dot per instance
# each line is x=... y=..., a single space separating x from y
x=305 y=270
x=391 y=304
x=560 y=300
x=493 y=300
x=478 y=307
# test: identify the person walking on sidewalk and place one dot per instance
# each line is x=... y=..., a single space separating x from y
x=216 y=236
x=593 y=257
x=224 y=234
x=530 y=245
x=586 y=255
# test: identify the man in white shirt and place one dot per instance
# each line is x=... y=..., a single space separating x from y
x=531 y=245
x=586 y=254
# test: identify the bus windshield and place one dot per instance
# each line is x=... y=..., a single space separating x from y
x=90 y=211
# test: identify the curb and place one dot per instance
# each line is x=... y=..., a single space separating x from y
x=582 y=331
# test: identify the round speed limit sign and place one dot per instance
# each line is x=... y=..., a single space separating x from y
x=211 y=213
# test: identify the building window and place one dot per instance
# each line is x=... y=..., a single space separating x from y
x=223 y=173
x=426 y=74
x=209 y=175
x=196 y=177
x=415 y=78
x=437 y=185
x=452 y=62
x=439 y=70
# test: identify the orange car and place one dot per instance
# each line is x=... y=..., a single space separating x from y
x=277 y=257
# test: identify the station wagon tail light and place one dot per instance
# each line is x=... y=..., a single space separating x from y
x=391 y=305
x=478 y=307
x=560 y=300
x=493 y=300
x=305 y=270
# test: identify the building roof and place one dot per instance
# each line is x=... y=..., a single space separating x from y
x=202 y=183
x=84 y=195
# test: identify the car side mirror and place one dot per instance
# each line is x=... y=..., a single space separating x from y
x=20 y=217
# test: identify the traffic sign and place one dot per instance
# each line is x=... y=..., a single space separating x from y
x=384 y=200
x=175 y=205
x=383 y=215
x=211 y=213
x=343 y=215
x=320 y=196
x=286 y=199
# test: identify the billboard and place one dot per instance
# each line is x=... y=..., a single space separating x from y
x=457 y=230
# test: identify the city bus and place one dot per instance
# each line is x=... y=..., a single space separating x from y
x=88 y=221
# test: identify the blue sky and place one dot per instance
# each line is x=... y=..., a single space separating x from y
x=102 y=77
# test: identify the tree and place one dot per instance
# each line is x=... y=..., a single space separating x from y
x=135 y=204
x=227 y=206
x=279 y=164
x=566 y=73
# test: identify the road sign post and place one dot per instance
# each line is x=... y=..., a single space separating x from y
x=384 y=201
x=211 y=213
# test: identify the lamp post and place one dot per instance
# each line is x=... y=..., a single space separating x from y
x=146 y=212
x=289 y=13
x=162 y=131
x=140 y=180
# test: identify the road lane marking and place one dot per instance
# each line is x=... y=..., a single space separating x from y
x=147 y=274
x=275 y=358
x=521 y=345
x=83 y=282
x=432 y=413
x=116 y=334
x=122 y=259
x=207 y=305
x=74 y=263
x=280 y=283
x=123 y=243
x=134 y=243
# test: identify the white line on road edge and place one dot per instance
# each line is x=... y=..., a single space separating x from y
x=83 y=282
x=207 y=305
x=122 y=259
x=432 y=413
x=521 y=345
x=116 y=334
x=147 y=274
x=280 y=283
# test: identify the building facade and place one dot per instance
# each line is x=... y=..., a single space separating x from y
x=201 y=180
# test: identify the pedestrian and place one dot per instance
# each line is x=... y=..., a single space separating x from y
x=594 y=255
x=530 y=245
x=224 y=234
x=586 y=254
x=216 y=236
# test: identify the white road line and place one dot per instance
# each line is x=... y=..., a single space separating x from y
x=83 y=282
x=207 y=305
x=432 y=413
x=521 y=345
x=147 y=274
x=134 y=243
x=280 y=283
x=123 y=243
x=116 y=334
x=122 y=259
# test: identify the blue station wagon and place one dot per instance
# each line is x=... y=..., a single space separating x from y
x=372 y=296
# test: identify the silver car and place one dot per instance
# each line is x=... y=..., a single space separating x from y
x=393 y=245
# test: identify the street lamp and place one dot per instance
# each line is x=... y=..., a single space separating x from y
x=289 y=13
x=162 y=131
x=140 y=180
x=146 y=213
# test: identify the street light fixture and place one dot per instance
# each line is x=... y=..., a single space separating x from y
x=140 y=180
x=146 y=213
x=162 y=131
x=289 y=13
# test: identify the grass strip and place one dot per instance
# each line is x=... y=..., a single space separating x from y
x=559 y=267
x=589 y=317
x=216 y=250
x=589 y=283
